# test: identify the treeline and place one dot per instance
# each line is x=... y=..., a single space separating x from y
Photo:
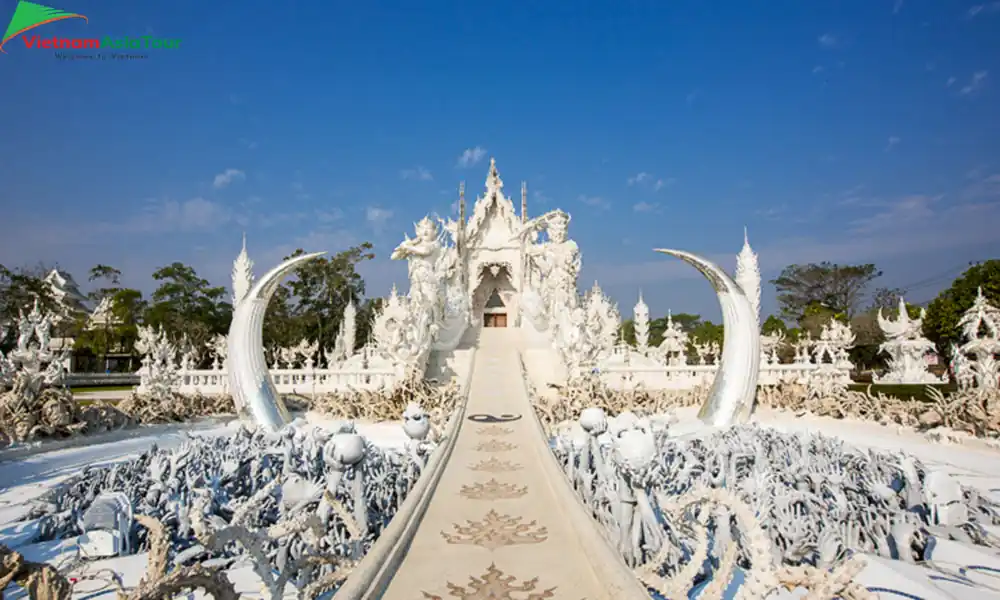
x=809 y=295
x=309 y=305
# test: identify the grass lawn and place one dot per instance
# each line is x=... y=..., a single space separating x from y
x=102 y=388
x=914 y=392
x=89 y=401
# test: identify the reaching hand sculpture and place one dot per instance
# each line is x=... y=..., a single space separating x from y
x=731 y=398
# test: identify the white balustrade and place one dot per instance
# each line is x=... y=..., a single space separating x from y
x=683 y=377
x=291 y=381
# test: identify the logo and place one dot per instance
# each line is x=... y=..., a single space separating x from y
x=28 y=16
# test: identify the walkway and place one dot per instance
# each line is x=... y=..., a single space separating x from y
x=499 y=523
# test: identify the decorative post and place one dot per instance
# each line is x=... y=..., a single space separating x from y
x=524 y=259
x=460 y=243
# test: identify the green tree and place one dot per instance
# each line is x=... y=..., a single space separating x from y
x=944 y=312
x=839 y=288
x=886 y=298
x=773 y=325
x=316 y=297
x=187 y=305
x=117 y=331
x=101 y=341
x=816 y=315
x=20 y=288
x=626 y=332
x=706 y=332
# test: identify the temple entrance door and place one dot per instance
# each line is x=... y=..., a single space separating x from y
x=495 y=320
x=495 y=312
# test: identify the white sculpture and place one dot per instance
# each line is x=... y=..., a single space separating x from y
x=732 y=395
x=748 y=274
x=423 y=254
x=346 y=335
x=242 y=274
x=640 y=321
x=220 y=350
x=556 y=262
x=769 y=346
x=158 y=375
x=907 y=349
x=981 y=330
x=249 y=381
x=602 y=320
x=673 y=348
x=435 y=285
x=403 y=332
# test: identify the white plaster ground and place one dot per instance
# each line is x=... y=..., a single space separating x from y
x=22 y=481
x=957 y=571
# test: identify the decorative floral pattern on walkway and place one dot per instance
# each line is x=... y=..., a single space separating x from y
x=495 y=465
x=493 y=490
x=495 y=531
x=495 y=446
x=495 y=585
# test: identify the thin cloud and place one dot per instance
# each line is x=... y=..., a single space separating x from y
x=908 y=209
x=975 y=84
x=227 y=177
x=911 y=226
x=897 y=6
x=818 y=69
x=377 y=217
x=416 y=174
x=891 y=143
x=541 y=197
x=167 y=216
x=692 y=97
x=828 y=40
x=595 y=201
x=985 y=8
x=471 y=156
x=662 y=183
x=645 y=207
x=951 y=81
x=637 y=178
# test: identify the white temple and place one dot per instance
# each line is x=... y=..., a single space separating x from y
x=495 y=268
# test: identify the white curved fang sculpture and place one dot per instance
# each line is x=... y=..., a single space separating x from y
x=731 y=398
x=249 y=381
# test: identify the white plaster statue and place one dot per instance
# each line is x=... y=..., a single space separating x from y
x=640 y=321
x=673 y=348
x=906 y=347
x=423 y=254
x=435 y=284
x=981 y=328
x=557 y=264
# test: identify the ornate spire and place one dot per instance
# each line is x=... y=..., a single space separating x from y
x=640 y=320
x=242 y=274
x=493 y=182
x=748 y=274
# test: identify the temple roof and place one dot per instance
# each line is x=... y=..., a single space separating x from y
x=494 y=221
x=64 y=287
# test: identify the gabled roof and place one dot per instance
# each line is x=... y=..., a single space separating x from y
x=491 y=206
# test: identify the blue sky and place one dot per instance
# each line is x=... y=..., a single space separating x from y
x=863 y=131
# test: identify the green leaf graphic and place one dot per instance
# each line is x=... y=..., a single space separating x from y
x=29 y=15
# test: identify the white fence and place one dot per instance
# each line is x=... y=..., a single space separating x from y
x=683 y=377
x=306 y=382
